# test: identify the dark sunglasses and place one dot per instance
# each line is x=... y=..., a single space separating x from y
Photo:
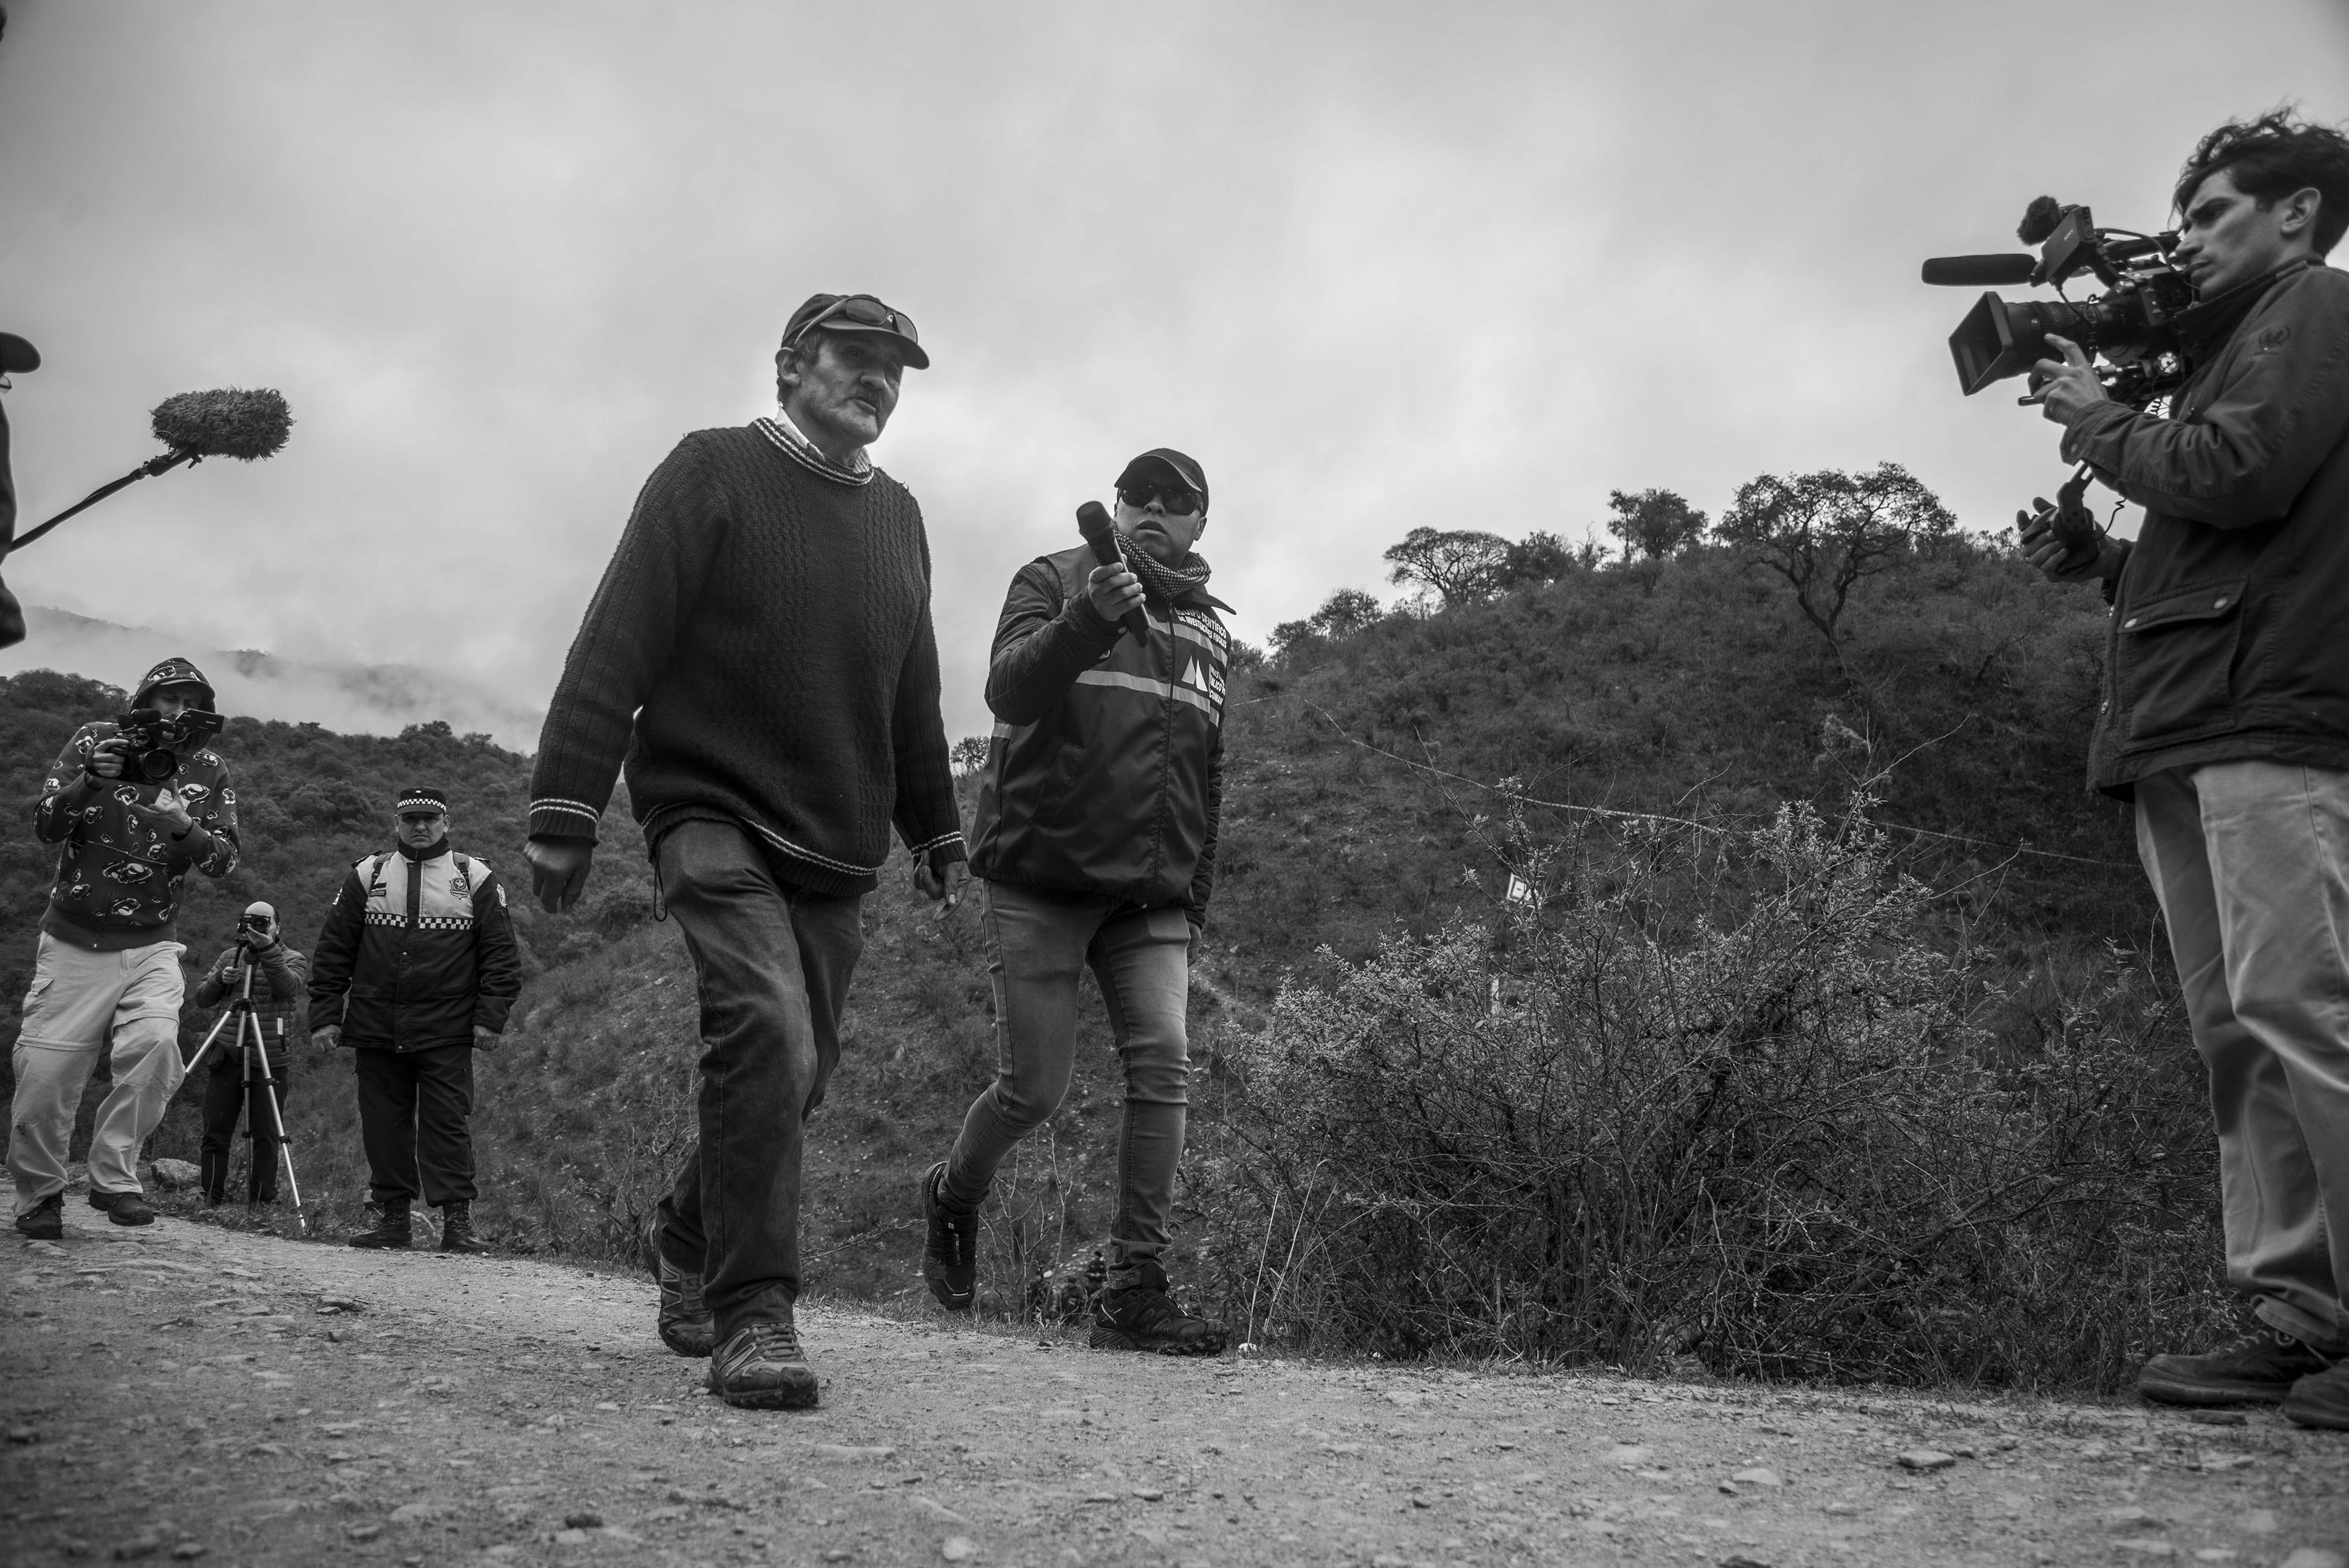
x=1177 y=501
x=862 y=309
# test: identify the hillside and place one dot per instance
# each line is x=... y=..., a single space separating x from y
x=1358 y=808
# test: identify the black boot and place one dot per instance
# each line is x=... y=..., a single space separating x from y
x=1146 y=1317
x=215 y=1177
x=390 y=1230
x=457 y=1229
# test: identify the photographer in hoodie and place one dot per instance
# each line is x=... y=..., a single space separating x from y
x=107 y=968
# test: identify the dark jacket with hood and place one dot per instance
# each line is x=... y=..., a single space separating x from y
x=2225 y=643
x=1106 y=772
x=120 y=876
x=416 y=952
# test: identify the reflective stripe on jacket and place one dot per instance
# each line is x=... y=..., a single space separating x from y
x=415 y=955
x=1105 y=775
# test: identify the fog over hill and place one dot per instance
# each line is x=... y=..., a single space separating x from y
x=352 y=698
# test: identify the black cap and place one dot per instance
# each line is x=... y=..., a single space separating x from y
x=16 y=355
x=415 y=798
x=1162 y=463
x=858 y=313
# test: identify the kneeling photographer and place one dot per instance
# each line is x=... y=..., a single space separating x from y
x=281 y=985
x=2226 y=721
x=134 y=805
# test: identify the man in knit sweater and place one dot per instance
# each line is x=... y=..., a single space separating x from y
x=760 y=650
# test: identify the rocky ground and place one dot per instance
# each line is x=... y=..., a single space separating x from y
x=183 y=1392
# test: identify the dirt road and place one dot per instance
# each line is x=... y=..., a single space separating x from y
x=179 y=1392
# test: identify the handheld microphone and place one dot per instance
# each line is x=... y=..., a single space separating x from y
x=1093 y=523
x=1980 y=272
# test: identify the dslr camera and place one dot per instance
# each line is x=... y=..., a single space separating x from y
x=151 y=746
x=2131 y=325
x=253 y=931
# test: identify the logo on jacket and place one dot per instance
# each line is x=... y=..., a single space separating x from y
x=191 y=793
x=127 y=795
x=130 y=873
x=125 y=907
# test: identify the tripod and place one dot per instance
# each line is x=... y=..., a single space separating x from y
x=255 y=1055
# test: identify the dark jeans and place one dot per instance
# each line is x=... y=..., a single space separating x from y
x=226 y=1094
x=415 y=1108
x=773 y=960
x=1038 y=941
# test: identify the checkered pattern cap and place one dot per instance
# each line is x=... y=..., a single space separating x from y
x=415 y=798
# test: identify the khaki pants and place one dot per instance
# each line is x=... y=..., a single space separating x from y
x=76 y=1000
x=2251 y=862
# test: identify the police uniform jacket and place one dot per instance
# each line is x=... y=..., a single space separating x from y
x=416 y=952
x=1106 y=773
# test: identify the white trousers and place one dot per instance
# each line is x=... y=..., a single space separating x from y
x=77 y=1001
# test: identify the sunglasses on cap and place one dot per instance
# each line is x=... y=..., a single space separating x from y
x=864 y=309
x=1176 y=499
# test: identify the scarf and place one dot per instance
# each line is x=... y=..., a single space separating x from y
x=786 y=435
x=432 y=851
x=1159 y=582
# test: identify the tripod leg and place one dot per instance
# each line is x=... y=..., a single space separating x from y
x=197 y=1060
x=284 y=1151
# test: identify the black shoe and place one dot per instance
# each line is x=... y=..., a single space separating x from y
x=214 y=1176
x=122 y=1208
x=762 y=1367
x=457 y=1230
x=950 y=1255
x=1145 y=1318
x=683 y=1321
x=2321 y=1398
x=44 y=1221
x=390 y=1229
x=2258 y=1368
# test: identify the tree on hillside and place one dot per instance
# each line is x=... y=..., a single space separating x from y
x=1537 y=559
x=969 y=755
x=1343 y=613
x=1461 y=565
x=1825 y=531
x=1653 y=524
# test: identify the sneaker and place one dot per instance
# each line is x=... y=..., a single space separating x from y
x=457 y=1230
x=950 y=1255
x=122 y=1208
x=390 y=1229
x=2321 y=1398
x=683 y=1321
x=2258 y=1368
x=1146 y=1317
x=44 y=1221
x=762 y=1367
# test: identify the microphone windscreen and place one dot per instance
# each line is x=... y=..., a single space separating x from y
x=227 y=422
x=1980 y=272
x=2039 y=220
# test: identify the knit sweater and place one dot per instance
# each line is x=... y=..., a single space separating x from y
x=760 y=649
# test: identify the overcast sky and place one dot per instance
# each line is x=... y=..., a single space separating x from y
x=1376 y=265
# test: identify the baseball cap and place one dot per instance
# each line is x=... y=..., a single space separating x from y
x=1162 y=463
x=16 y=355
x=858 y=313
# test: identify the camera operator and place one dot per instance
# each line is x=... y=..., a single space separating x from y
x=281 y=980
x=108 y=964
x=2226 y=722
x=415 y=971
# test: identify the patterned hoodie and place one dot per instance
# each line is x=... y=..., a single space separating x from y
x=119 y=876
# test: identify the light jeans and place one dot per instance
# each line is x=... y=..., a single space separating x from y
x=2251 y=862
x=77 y=999
x=1036 y=943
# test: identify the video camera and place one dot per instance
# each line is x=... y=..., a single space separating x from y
x=2132 y=324
x=152 y=745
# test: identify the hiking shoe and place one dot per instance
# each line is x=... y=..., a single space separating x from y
x=2321 y=1398
x=2257 y=1367
x=457 y=1230
x=683 y=1321
x=390 y=1228
x=950 y=1254
x=762 y=1367
x=44 y=1221
x=122 y=1208
x=1145 y=1318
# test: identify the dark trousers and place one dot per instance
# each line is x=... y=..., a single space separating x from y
x=415 y=1110
x=773 y=960
x=226 y=1094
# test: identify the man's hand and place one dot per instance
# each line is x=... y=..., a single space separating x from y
x=105 y=758
x=2061 y=560
x=327 y=1037
x=558 y=870
x=949 y=885
x=167 y=815
x=1113 y=591
x=2067 y=387
x=484 y=1040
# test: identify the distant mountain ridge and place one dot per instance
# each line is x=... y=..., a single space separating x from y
x=350 y=698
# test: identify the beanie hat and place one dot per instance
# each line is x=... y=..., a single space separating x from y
x=172 y=672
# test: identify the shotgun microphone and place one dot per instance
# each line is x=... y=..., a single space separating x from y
x=1093 y=523
x=1980 y=272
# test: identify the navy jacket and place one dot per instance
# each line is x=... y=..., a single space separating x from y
x=415 y=953
x=1106 y=771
